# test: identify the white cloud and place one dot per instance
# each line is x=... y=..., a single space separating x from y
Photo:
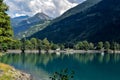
x=19 y=14
x=52 y=8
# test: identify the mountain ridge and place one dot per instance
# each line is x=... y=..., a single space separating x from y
x=83 y=6
x=25 y=23
x=97 y=23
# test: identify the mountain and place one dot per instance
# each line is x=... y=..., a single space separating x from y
x=24 y=23
x=99 y=22
x=16 y=20
x=32 y=30
x=86 y=4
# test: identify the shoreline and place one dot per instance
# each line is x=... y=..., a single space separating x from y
x=71 y=51
x=8 y=72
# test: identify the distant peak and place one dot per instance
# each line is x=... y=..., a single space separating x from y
x=40 y=14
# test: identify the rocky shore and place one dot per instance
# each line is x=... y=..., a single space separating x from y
x=9 y=73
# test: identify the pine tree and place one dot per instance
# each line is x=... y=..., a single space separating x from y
x=6 y=32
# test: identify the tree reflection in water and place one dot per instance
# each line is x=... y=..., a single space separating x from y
x=43 y=65
x=45 y=58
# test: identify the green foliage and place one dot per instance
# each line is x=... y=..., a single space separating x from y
x=34 y=42
x=115 y=46
x=63 y=75
x=3 y=6
x=54 y=46
x=39 y=44
x=4 y=46
x=100 y=45
x=107 y=45
x=6 y=32
x=91 y=46
x=16 y=44
x=29 y=45
x=46 y=44
x=84 y=45
x=79 y=45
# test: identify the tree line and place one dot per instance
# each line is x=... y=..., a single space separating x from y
x=32 y=44
x=38 y=44
x=85 y=45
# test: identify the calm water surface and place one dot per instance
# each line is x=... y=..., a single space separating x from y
x=85 y=66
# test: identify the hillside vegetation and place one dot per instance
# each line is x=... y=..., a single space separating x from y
x=99 y=22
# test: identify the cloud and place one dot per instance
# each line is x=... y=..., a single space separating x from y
x=52 y=8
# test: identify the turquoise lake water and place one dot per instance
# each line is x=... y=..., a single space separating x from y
x=85 y=66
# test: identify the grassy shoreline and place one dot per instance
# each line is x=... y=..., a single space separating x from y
x=10 y=73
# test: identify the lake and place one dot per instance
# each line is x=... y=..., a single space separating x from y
x=86 y=66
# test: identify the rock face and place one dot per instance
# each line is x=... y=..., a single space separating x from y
x=9 y=73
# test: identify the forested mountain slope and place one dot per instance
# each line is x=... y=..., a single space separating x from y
x=100 y=22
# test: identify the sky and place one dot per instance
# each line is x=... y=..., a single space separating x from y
x=52 y=8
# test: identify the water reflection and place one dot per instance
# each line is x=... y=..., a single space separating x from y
x=44 y=59
x=43 y=65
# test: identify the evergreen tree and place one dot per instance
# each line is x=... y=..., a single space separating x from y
x=6 y=32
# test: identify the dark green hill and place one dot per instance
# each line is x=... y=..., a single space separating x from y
x=82 y=7
x=99 y=22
